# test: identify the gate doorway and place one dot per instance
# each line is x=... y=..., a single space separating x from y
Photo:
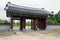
x=16 y=24
x=28 y=23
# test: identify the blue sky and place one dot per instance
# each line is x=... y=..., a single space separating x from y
x=50 y=5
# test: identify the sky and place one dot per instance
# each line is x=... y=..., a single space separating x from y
x=50 y=5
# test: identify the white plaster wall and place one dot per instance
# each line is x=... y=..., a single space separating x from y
x=4 y=27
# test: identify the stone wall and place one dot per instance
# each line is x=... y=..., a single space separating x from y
x=4 y=27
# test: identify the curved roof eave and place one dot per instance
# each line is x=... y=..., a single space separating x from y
x=17 y=8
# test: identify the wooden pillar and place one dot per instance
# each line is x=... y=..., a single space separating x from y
x=11 y=23
x=39 y=23
x=43 y=23
x=35 y=23
x=22 y=23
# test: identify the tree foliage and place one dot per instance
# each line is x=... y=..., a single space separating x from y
x=55 y=19
x=1 y=21
x=28 y=24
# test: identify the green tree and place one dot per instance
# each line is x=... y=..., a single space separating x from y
x=28 y=23
x=1 y=21
x=55 y=19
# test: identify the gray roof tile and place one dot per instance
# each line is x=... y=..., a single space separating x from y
x=17 y=8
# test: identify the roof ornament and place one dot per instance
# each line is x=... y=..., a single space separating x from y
x=9 y=2
x=42 y=8
x=52 y=11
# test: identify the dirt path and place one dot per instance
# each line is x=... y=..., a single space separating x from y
x=30 y=36
x=35 y=35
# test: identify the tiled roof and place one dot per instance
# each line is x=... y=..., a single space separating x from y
x=17 y=9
